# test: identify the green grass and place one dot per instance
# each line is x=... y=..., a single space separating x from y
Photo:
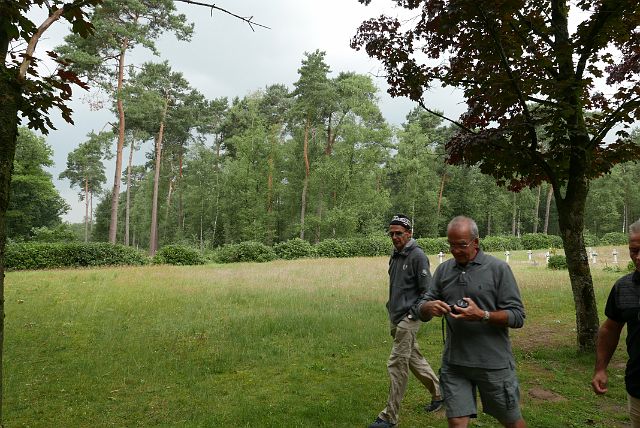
x=283 y=344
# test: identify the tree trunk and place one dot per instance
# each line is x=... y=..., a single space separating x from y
x=571 y=222
x=271 y=170
x=514 y=213
x=217 y=170
x=91 y=212
x=537 y=211
x=167 y=210
x=113 y=225
x=178 y=189
x=86 y=209
x=548 y=210
x=440 y=193
x=153 y=233
x=305 y=185
x=10 y=94
x=127 y=211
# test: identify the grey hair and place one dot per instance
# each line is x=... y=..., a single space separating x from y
x=635 y=227
x=472 y=225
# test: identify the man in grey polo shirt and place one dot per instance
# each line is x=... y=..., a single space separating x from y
x=409 y=278
x=479 y=298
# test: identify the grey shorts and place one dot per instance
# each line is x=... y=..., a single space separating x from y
x=499 y=392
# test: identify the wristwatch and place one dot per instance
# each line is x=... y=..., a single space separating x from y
x=486 y=316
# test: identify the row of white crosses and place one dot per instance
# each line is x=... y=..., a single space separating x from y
x=592 y=253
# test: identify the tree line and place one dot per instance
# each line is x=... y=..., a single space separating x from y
x=255 y=169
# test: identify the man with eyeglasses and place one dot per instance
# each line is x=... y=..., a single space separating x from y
x=480 y=300
x=409 y=279
x=623 y=307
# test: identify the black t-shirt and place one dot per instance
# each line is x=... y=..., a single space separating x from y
x=623 y=306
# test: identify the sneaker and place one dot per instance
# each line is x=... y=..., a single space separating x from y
x=434 y=406
x=381 y=423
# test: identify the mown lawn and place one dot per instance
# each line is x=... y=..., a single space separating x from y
x=283 y=344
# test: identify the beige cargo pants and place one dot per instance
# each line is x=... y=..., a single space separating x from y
x=405 y=356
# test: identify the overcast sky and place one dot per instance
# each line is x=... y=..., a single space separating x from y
x=226 y=58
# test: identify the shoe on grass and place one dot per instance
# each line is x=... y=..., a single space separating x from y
x=381 y=423
x=434 y=406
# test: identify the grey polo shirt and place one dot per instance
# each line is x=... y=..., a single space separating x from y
x=490 y=283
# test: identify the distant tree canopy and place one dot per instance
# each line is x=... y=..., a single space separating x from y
x=34 y=200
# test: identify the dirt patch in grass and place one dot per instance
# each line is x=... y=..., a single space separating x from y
x=537 y=336
x=542 y=394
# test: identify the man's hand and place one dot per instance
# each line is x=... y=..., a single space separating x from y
x=434 y=308
x=470 y=313
x=599 y=382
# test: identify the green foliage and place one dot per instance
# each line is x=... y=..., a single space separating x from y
x=58 y=255
x=631 y=266
x=181 y=255
x=60 y=233
x=433 y=245
x=590 y=240
x=537 y=241
x=34 y=201
x=557 y=262
x=295 y=248
x=370 y=246
x=501 y=243
x=248 y=251
x=614 y=238
x=333 y=248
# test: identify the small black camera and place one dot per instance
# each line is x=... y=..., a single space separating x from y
x=461 y=304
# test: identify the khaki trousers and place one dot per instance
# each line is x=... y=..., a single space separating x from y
x=405 y=356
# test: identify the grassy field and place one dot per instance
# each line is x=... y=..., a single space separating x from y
x=282 y=344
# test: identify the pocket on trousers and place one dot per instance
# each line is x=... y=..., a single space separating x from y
x=511 y=394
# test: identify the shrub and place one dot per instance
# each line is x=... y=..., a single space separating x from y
x=433 y=245
x=181 y=255
x=332 y=248
x=557 y=262
x=295 y=248
x=501 y=243
x=538 y=241
x=60 y=233
x=631 y=266
x=376 y=245
x=249 y=251
x=614 y=238
x=590 y=240
x=57 y=255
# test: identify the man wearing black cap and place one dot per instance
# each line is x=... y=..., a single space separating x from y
x=409 y=278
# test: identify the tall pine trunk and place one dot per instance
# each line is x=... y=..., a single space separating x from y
x=115 y=199
x=153 y=232
x=127 y=208
x=305 y=183
x=86 y=209
x=548 y=210
x=536 y=212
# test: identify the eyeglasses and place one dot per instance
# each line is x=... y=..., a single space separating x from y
x=459 y=245
x=397 y=233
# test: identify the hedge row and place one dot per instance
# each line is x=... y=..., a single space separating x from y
x=58 y=255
